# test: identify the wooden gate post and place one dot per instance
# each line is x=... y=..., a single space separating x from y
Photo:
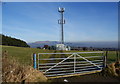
x=34 y=61
x=105 y=60
x=117 y=56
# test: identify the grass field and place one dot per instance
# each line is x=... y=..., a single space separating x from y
x=24 y=55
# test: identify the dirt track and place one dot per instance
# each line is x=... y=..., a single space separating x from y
x=90 y=78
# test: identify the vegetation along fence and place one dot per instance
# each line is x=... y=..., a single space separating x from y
x=55 y=65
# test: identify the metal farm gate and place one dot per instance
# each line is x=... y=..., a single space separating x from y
x=55 y=65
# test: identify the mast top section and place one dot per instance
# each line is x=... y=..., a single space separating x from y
x=61 y=10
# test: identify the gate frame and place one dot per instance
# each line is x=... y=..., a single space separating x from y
x=75 y=54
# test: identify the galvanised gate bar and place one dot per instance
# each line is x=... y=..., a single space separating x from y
x=55 y=65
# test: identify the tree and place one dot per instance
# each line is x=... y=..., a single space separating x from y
x=53 y=47
x=39 y=47
x=9 y=41
x=84 y=48
x=46 y=46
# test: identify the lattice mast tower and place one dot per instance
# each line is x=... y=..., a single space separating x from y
x=61 y=22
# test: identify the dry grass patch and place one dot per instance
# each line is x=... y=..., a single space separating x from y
x=12 y=71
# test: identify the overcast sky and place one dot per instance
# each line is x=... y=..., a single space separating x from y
x=38 y=21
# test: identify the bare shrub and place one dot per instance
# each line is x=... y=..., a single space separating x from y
x=12 y=71
x=114 y=68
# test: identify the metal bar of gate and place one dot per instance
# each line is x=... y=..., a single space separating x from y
x=73 y=52
x=70 y=58
x=70 y=73
x=70 y=62
x=70 y=68
x=72 y=65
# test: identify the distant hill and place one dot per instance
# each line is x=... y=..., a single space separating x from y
x=109 y=44
x=9 y=41
x=42 y=43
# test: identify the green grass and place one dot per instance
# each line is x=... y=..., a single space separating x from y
x=111 y=56
x=24 y=55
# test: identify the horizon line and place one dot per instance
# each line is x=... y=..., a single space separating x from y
x=72 y=41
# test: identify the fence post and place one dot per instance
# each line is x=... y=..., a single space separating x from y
x=105 y=59
x=74 y=62
x=34 y=61
x=117 y=55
